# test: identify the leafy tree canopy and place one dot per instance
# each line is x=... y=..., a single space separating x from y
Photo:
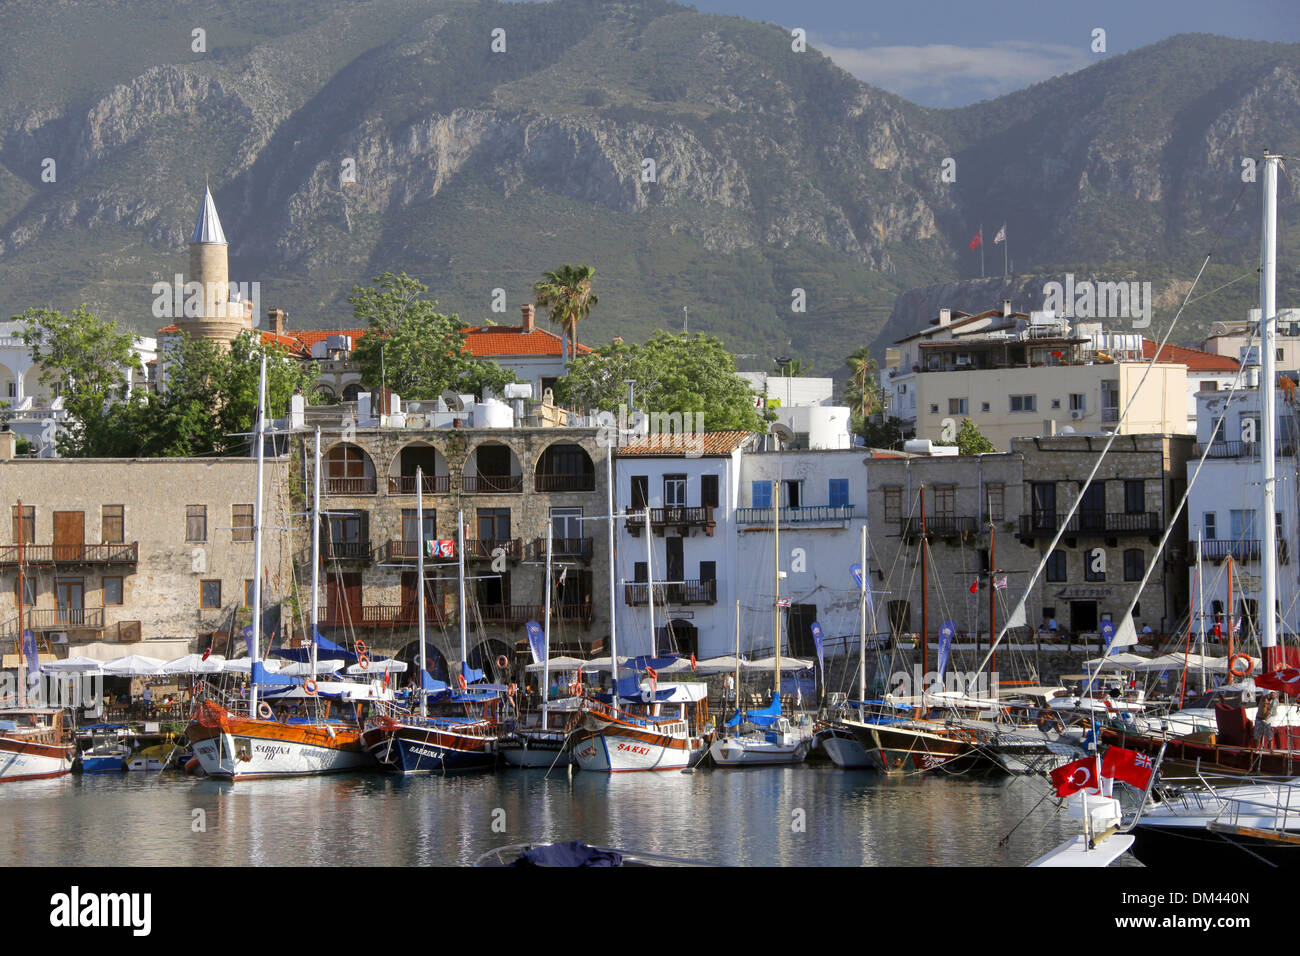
x=970 y=440
x=671 y=372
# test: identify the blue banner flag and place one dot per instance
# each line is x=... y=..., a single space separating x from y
x=946 y=633
x=1108 y=632
x=856 y=571
x=817 y=642
x=535 y=641
x=33 y=660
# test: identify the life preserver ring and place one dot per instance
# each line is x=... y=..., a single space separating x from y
x=460 y=681
x=309 y=686
x=363 y=662
x=502 y=662
x=361 y=648
x=264 y=710
x=1232 y=665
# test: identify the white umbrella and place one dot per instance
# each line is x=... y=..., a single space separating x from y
x=74 y=665
x=134 y=665
x=723 y=665
x=245 y=666
x=1121 y=660
x=559 y=664
x=303 y=668
x=377 y=667
x=194 y=664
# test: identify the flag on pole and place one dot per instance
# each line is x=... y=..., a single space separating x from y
x=945 y=645
x=1000 y=583
x=978 y=240
x=975 y=586
x=536 y=641
x=563 y=574
x=1001 y=236
x=783 y=602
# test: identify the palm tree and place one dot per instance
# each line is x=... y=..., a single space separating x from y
x=862 y=392
x=567 y=294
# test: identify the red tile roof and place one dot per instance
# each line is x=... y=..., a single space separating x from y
x=1194 y=359
x=703 y=443
x=288 y=341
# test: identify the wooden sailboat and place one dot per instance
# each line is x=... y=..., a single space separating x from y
x=235 y=742
x=837 y=740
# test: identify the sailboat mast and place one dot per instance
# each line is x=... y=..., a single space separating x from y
x=993 y=604
x=649 y=590
x=1268 y=413
x=925 y=595
x=254 y=646
x=1231 y=676
x=419 y=577
x=1200 y=607
x=737 y=657
x=862 y=625
x=315 y=550
x=776 y=575
x=609 y=504
x=22 y=594
x=460 y=581
x=546 y=627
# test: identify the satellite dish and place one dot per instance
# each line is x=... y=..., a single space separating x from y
x=1219 y=329
x=783 y=432
x=453 y=400
x=1067 y=429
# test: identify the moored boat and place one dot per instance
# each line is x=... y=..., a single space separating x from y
x=34 y=744
x=666 y=730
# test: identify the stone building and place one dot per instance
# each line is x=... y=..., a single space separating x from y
x=149 y=556
x=509 y=485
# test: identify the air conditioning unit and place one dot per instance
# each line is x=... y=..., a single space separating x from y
x=1076 y=414
x=58 y=637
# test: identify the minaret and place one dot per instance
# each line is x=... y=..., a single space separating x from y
x=220 y=319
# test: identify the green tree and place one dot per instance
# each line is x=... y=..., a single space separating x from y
x=971 y=441
x=413 y=348
x=863 y=393
x=567 y=295
x=672 y=373
x=889 y=433
x=89 y=361
x=792 y=368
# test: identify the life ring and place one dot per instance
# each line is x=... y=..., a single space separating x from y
x=460 y=681
x=309 y=686
x=1232 y=665
x=363 y=662
x=361 y=648
x=502 y=662
x=264 y=710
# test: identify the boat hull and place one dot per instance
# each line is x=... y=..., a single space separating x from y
x=108 y=763
x=899 y=749
x=1201 y=850
x=413 y=749
x=232 y=747
x=846 y=753
x=748 y=752
x=28 y=760
x=630 y=751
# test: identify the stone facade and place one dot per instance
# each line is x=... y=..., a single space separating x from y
x=160 y=557
x=509 y=484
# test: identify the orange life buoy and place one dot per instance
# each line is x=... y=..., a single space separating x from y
x=460 y=681
x=502 y=662
x=361 y=648
x=309 y=686
x=1232 y=665
x=264 y=710
x=363 y=662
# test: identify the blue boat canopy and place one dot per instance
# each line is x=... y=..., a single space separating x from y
x=760 y=718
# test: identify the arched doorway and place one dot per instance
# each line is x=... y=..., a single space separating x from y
x=484 y=658
x=434 y=662
x=565 y=466
x=679 y=636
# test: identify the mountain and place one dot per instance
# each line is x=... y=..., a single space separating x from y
x=475 y=170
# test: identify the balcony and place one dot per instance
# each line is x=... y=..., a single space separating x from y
x=684 y=592
x=70 y=554
x=940 y=526
x=1241 y=549
x=1240 y=449
x=351 y=486
x=802 y=515
x=385 y=615
x=352 y=551
x=480 y=549
x=63 y=618
x=492 y=484
x=515 y=614
x=433 y=484
x=401 y=551
x=580 y=548
x=559 y=482
x=682 y=518
x=1041 y=524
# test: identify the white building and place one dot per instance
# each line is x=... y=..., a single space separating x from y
x=711 y=544
x=1223 y=508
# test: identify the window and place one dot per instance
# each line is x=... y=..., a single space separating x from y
x=29 y=591
x=1094 y=566
x=893 y=502
x=28 y=525
x=984 y=406
x=1056 y=403
x=1208 y=521
x=1056 y=566
x=196 y=522
x=349 y=534
x=112 y=591
x=241 y=522
x=709 y=491
x=640 y=572
x=708 y=570
x=934 y=409
x=958 y=406
x=793 y=493
x=411 y=519
x=1110 y=400
x=566 y=524
x=1241 y=525
x=1078 y=402
x=209 y=594
x=640 y=492
x=13 y=389
x=761 y=494
x=1135 y=501
x=1133 y=562
x=111 y=524
x=995 y=501
x=493 y=524
x=945 y=501
x=839 y=492
x=674 y=491
x=248 y=592
x=1024 y=403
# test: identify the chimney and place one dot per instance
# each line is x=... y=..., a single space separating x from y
x=945 y=316
x=8 y=444
x=529 y=311
x=1006 y=308
x=275 y=321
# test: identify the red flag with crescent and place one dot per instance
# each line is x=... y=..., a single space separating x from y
x=1076 y=776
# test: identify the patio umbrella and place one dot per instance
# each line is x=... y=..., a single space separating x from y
x=194 y=664
x=558 y=664
x=377 y=667
x=244 y=665
x=74 y=665
x=303 y=668
x=134 y=665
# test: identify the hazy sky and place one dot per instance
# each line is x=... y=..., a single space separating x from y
x=954 y=52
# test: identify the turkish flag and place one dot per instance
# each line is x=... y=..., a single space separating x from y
x=1128 y=766
x=977 y=241
x=975 y=586
x=207 y=652
x=1287 y=680
x=1076 y=776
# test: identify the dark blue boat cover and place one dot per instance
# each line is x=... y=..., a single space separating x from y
x=571 y=853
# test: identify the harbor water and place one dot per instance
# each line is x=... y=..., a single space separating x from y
x=812 y=815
